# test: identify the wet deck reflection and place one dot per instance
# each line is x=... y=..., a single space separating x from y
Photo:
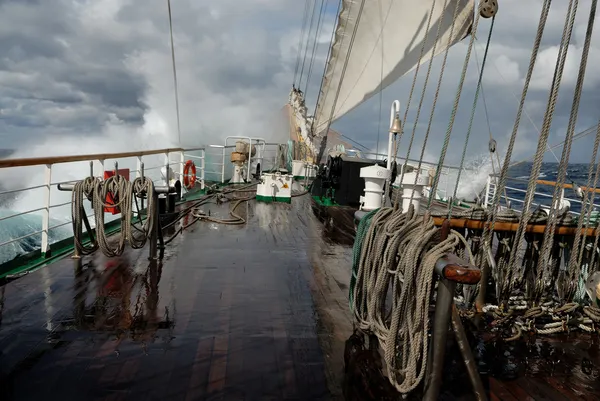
x=229 y=315
x=251 y=312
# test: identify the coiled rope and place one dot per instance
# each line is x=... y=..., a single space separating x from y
x=126 y=194
x=399 y=250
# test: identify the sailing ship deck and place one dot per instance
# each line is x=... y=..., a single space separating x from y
x=252 y=312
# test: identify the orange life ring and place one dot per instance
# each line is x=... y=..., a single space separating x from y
x=189 y=174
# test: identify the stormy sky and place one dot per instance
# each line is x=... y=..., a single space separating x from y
x=96 y=75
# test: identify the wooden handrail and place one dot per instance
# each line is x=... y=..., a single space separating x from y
x=505 y=226
x=36 y=161
x=554 y=183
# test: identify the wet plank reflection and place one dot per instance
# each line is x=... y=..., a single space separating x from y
x=228 y=315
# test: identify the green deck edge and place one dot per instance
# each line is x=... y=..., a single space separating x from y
x=34 y=260
x=58 y=250
x=323 y=201
x=270 y=199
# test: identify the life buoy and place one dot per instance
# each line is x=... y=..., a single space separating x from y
x=189 y=174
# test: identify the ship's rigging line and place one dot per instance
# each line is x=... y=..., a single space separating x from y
x=174 y=73
x=488 y=230
x=436 y=178
x=327 y=60
x=323 y=143
x=423 y=91
x=315 y=46
x=572 y=267
x=515 y=272
x=380 y=80
x=474 y=107
x=312 y=17
x=550 y=149
x=301 y=40
x=489 y=126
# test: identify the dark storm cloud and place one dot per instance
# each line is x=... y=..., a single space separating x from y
x=78 y=67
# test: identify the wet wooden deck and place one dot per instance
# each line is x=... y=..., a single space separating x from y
x=253 y=312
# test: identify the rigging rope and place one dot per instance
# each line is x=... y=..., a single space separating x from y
x=412 y=88
x=315 y=45
x=301 y=40
x=174 y=73
x=463 y=75
x=433 y=106
x=515 y=275
x=573 y=267
x=327 y=58
x=312 y=16
x=474 y=107
x=491 y=220
x=323 y=144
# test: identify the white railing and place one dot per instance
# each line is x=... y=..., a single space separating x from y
x=510 y=197
x=30 y=189
x=217 y=162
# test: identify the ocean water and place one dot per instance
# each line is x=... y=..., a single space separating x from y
x=577 y=173
x=472 y=182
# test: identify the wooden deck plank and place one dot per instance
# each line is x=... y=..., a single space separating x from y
x=260 y=311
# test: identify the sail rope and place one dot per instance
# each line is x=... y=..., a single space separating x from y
x=312 y=16
x=174 y=73
x=472 y=117
x=573 y=267
x=327 y=61
x=423 y=91
x=501 y=185
x=323 y=144
x=463 y=75
x=301 y=41
x=514 y=273
x=585 y=217
x=433 y=106
x=315 y=45
x=492 y=141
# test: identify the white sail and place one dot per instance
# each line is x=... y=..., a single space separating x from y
x=388 y=32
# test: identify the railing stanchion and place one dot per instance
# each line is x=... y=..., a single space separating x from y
x=181 y=165
x=46 y=211
x=203 y=168
x=223 y=166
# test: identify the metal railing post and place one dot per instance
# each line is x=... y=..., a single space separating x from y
x=181 y=165
x=487 y=191
x=223 y=167
x=46 y=211
x=202 y=168
x=167 y=164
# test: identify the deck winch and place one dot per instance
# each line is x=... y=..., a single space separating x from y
x=375 y=177
x=414 y=181
x=241 y=158
x=275 y=187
